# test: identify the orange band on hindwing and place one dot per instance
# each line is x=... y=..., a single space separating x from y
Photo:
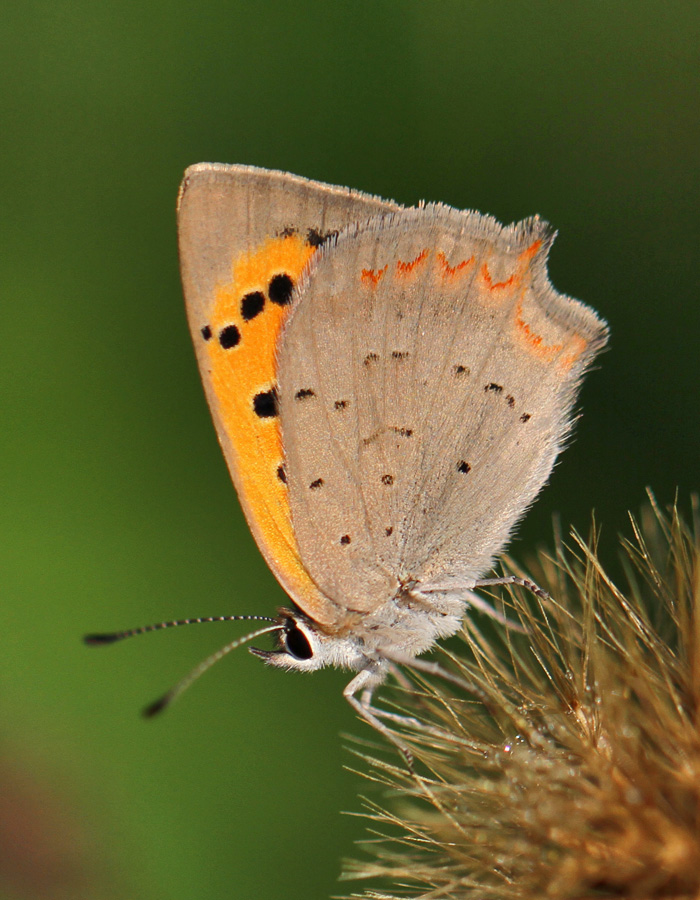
x=372 y=277
x=494 y=286
x=516 y=278
x=527 y=255
x=577 y=346
x=448 y=272
x=535 y=343
x=404 y=269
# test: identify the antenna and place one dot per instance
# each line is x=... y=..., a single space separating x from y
x=163 y=702
x=112 y=637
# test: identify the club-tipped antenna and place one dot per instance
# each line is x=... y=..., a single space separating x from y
x=182 y=685
x=113 y=636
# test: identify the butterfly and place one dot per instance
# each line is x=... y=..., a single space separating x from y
x=390 y=387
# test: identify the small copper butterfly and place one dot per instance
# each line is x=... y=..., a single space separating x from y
x=390 y=386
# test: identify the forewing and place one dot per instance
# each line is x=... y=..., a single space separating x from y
x=245 y=236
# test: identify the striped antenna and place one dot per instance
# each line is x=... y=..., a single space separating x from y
x=111 y=637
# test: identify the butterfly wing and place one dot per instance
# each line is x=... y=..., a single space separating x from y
x=427 y=376
x=245 y=236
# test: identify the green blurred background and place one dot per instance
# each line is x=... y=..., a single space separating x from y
x=116 y=502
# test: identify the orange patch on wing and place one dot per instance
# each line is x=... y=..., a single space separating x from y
x=528 y=254
x=246 y=370
x=534 y=342
x=568 y=350
x=404 y=269
x=490 y=285
x=577 y=346
x=522 y=265
x=373 y=276
x=447 y=271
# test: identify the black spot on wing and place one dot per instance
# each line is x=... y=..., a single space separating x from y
x=280 y=289
x=252 y=305
x=315 y=237
x=229 y=337
x=265 y=404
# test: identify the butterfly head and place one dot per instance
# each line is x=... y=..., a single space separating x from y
x=304 y=646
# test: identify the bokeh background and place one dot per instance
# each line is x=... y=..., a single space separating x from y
x=116 y=504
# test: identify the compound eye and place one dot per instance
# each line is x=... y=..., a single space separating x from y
x=297 y=643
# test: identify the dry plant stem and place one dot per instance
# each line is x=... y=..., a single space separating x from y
x=564 y=761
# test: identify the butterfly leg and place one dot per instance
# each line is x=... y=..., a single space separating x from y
x=363 y=707
x=400 y=718
x=477 y=602
x=376 y=717
x=415 y=725
x=432 y=668
x=363 y=681
x=515 y=579
x=466 y=593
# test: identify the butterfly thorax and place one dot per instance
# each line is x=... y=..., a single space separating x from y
x=405 y=626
